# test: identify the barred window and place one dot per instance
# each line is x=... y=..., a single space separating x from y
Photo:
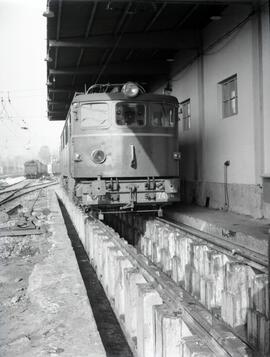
x=185 y=114
x=229 y=97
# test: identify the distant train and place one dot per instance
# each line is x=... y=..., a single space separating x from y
x=34 y=169
x=119 y=149
x=56 y=168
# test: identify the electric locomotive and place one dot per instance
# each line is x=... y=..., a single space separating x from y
x=119 y=149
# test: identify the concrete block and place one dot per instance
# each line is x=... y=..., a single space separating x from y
x=169 y=330
x=263 y=334
x=87 y=237
x=176 y=269
x=113 y=253
x=210 y=294
x=147 y=298
x=142 y=244
x=188 y=278
x=154 y=255
x=203 y=290
x=171 y=244
x=219 y=286
x=228 y=302
x=259 y=294
x=198 y=251
x=195 y=283
x=94 y=249
x=254 y=328
x=149 y=248
x=99 y=253
x=107 y=243
x=163 y=257
x=132 y=277
x=91 y=227
x=258 y=331
x=236 y=274
x=159 y=311
x=192 y=346
x=244 y=303
x=183 y=250
x=123 y=263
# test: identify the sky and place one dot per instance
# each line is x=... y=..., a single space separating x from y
x=23 y=91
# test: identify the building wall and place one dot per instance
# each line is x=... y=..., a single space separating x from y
x=243 y=139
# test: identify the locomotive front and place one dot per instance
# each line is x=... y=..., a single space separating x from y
x=120 y=149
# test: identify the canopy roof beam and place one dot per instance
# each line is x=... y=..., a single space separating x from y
x=207 y=2
x=160 y=67
x=184 y=39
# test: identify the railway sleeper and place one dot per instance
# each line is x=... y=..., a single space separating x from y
x=158 y=317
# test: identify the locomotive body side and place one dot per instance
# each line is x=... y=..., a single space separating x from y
x=117 y=151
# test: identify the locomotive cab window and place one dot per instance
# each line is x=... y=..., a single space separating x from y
x=162 y=115
x=130 y=114
x=94 y=115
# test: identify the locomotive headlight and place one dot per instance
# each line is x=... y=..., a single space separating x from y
x=98 y=156
x=130 y=89
x=177 y=155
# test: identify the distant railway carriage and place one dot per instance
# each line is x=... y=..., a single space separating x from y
x=56 y=168
x=120 y=149
x=34 y=169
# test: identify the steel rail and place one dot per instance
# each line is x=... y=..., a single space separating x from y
x=10 y=197
x=14 y=195
x=4 y=191
x=8 y=186
x=242 y=254
x=31 y=184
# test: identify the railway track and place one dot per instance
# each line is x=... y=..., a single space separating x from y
x=190 y=289
x=3 y=188
x=21 y=191
x=22 y=224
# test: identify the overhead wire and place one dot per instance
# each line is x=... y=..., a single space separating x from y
x=123 y=23
x=7 y=116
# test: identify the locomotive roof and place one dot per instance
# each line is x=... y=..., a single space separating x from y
x=146 y=97
x=30 y=162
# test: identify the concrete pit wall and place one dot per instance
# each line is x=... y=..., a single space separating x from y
x=152 y=327
x=234 y=291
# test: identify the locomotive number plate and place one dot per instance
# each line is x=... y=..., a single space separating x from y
x=162 y=196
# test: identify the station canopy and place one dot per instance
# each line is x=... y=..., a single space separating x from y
x=117 y=41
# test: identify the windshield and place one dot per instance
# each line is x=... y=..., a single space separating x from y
x=94 y=115
x=162 y=115
x=130 y=114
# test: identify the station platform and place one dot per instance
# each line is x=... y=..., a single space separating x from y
x=242 y=230
x=44 y=309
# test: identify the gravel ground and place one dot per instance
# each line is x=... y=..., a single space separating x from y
x=44 y=309
x=18 y=257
